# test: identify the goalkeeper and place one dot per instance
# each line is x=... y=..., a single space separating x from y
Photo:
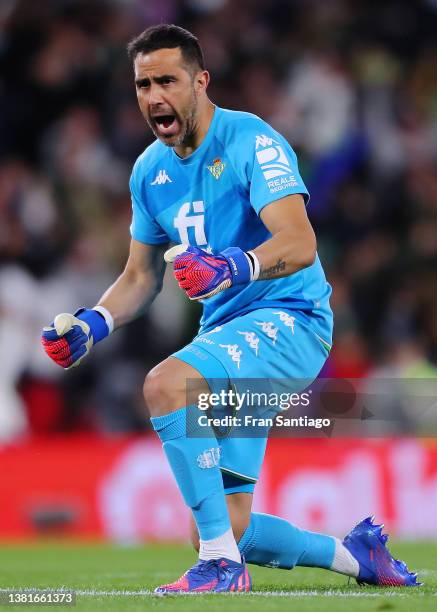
x=228 y=185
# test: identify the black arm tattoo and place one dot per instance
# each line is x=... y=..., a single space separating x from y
x=273 y=270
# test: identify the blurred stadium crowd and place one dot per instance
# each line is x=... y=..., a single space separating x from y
x=352 y=85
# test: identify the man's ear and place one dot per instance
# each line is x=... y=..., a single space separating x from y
x=201 y=81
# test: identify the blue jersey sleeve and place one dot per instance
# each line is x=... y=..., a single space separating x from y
x=270 y=166
x=144 y=227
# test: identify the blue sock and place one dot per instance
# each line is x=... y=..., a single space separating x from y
x=274 y=542
x=194 y=462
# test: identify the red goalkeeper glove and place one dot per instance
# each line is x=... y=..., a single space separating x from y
x=201 y=274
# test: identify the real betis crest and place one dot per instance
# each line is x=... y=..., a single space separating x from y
x=217 y=168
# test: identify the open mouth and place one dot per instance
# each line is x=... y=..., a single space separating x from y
x=167 y=125
x=165 y=120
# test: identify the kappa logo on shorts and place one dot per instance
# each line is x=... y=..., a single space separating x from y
x=209 y=458
x=286 y=319
x=234 y=352
x=252 y=339
x=269 y=329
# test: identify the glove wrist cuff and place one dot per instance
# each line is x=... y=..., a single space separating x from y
x=107 y=316
x=239 y=265
x=99 y=328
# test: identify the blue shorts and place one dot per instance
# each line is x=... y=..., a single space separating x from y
x=268 y=343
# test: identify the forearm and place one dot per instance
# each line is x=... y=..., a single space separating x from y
x=288 y=251
x=129 y=296
x=70 y=337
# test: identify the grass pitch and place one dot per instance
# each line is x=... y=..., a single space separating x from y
x=111 y=578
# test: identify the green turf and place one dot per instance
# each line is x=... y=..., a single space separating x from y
x=91 y=569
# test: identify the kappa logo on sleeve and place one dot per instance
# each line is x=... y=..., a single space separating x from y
x=264 y=141
x=274 y=164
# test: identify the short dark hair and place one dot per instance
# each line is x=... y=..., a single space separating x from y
x=168 y=36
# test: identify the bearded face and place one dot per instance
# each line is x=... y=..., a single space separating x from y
x=167 y=95
x=174 y=126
